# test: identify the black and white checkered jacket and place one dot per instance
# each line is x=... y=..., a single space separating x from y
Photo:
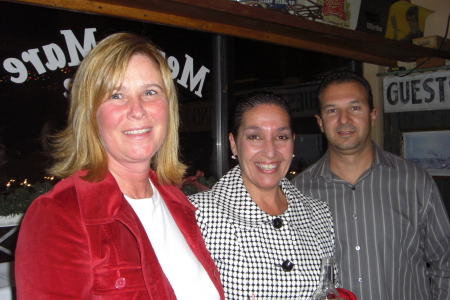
x=249 y=251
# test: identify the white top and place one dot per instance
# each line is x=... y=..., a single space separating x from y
x=188 y=278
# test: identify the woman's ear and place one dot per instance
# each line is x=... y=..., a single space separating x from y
x=232 y=143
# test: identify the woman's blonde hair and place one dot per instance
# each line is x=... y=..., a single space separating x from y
x=79 y=146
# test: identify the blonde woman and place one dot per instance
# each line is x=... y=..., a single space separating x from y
x=116 y=227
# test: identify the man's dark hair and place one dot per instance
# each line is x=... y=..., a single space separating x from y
x=253 y=101
x=340 y=77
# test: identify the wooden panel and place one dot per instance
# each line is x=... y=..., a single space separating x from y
x=234 y=19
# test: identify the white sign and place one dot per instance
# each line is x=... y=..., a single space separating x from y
x=420 y=91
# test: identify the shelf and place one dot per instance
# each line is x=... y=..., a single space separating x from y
x=234 y=19
x=414 y=71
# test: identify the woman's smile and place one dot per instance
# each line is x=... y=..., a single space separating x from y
x=137 y=131
x=267 y=167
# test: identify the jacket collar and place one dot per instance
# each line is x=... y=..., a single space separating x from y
x=100 y=202
x=103 y=201
x=233 y=200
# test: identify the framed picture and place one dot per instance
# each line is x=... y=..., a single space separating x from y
x=428 y=149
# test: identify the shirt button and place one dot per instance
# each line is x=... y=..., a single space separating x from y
x=360 y=279
x=357 y=248
x=277 y=223
x=355 y=216
x=120 y=283
x=287 y=265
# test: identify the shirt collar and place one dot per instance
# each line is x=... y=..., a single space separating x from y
x=234 y=200
x=381 y=158
x=322 y=167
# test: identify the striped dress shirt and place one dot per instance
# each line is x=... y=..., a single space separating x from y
x=392 y=228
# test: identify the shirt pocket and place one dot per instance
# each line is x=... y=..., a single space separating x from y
x=123 y=282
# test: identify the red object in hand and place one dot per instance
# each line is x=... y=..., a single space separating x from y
x=346 y=294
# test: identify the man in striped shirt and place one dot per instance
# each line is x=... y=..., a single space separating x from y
x=392 y=228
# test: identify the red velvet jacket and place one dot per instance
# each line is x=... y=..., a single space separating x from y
x=83 y=240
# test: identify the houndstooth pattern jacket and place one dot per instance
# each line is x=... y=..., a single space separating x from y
x=249 y=251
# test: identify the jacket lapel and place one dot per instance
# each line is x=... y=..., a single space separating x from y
x=103 y=202
x=100 y=202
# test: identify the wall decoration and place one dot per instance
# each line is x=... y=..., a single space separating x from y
x=428 y=149
x=406 y=21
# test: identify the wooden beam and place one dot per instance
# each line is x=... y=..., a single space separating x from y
x=234 y=19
